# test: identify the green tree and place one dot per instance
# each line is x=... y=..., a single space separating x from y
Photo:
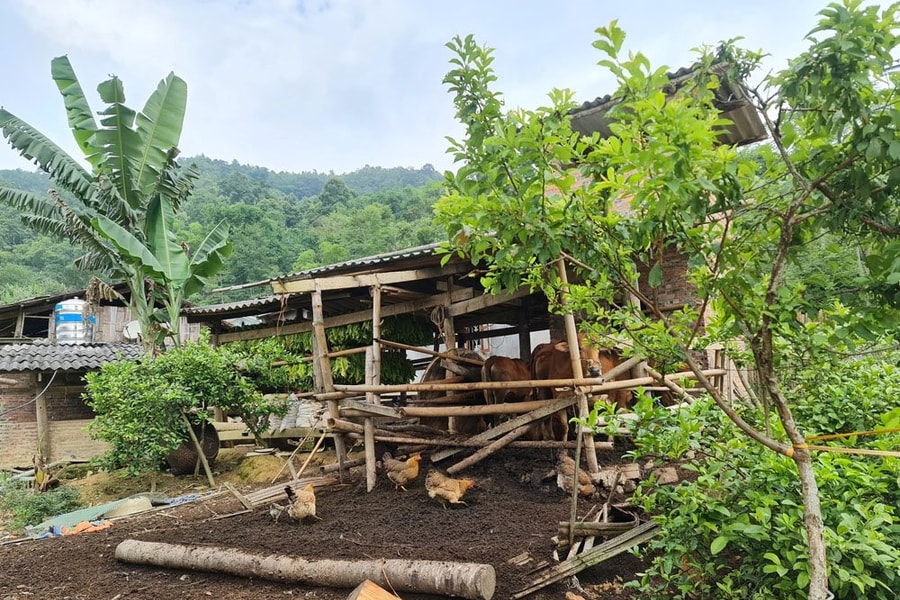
x=530 y=190
x=121 y=211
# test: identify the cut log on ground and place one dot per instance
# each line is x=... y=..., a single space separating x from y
x=464 y=580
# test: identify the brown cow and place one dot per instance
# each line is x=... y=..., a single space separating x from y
x=502 y=368
x=552 y=361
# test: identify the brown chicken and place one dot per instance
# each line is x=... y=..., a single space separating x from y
x=401 y=472
x=565 y=475
x=301 y=503
x=443 y=487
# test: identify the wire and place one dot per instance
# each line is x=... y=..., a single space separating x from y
x=33 y=400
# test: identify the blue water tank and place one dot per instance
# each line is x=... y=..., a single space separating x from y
x=69 y=322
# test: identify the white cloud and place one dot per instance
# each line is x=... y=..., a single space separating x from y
x=335 y=85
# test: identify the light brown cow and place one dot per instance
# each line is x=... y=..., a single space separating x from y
x=502 y=368
x=552 y=361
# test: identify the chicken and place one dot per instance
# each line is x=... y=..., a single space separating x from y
x=443 y=487
x=302 y=503
x=565 y=475
x=401 y=472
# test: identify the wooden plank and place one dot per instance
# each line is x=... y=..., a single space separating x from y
x=369 y=590
x=354 y=407
x=401 y=308
x=341 y=282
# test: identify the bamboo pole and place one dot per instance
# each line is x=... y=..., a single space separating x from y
x=449 y=355
x=547 y=409
x=200 y=453
x=488 y=450
x=591 y=384
x=464 y=580
x=575 y=357
x=369 y=427
x=311 y=454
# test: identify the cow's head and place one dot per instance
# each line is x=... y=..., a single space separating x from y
x=590 y=356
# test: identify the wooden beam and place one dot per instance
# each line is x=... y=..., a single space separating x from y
x=401 y=308
x=486 y=301
x=448 y=355
x=341 y=282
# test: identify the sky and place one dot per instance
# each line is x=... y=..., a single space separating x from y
x=335 y=85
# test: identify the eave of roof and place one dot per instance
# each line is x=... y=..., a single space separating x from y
x=64 y=357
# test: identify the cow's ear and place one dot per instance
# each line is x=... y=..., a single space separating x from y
x=562 y=346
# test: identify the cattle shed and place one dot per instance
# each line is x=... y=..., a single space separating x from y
x=437 y=410
x=422 y=282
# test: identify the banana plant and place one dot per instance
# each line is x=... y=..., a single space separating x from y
x=133 y=185
x=175 y=270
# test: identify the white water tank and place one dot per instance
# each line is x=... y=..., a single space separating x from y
x=69 y=322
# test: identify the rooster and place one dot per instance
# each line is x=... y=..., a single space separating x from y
x=443 y=487
x=400 y=472
x=565 y=475
x=301 y=503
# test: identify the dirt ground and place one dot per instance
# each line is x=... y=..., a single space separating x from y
x=511 y=511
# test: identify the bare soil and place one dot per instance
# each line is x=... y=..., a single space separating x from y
x=513 y=510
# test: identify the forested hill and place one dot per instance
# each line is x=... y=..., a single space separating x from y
x=279 y=223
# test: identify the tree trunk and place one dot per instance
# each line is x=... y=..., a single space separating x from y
x=815 y=527
x=464 y=580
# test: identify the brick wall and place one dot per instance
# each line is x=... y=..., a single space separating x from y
x=18 y=444
x=18 y=394
x=67 y=414
x=70 y=440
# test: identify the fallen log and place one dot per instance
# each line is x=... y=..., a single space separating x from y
x=464 y=580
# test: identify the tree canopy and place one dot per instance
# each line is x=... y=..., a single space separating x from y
x=529 y=191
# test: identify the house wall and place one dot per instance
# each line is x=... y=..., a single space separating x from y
x=111 y=322
x=67 y=416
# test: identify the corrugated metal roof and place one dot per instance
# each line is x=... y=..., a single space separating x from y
x=378 y=259
x=237 y=305
x=64 y=357
x=593 y=115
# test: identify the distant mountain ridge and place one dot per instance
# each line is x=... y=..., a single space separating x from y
x=279 y=223
x=365 y=180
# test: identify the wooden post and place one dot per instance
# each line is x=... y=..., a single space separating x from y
x=577 y=373
x=448 y=327
x=43 y=427
x=322 y=370
x=524 y=334
x=369 y=427
x=373 y=377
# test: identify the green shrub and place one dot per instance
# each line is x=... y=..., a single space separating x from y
x=139 y=405
x=848 y=395
x=28 y=508
x=737 y=530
